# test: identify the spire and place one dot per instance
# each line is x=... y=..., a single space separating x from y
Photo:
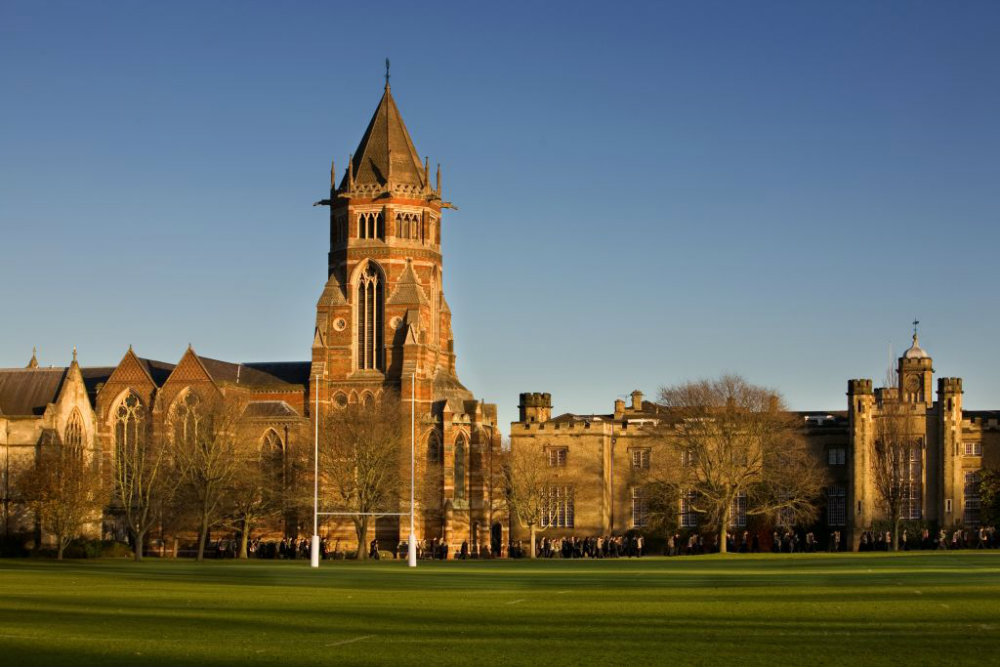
x=34 y=358
x=385 y=140
x=74 y=354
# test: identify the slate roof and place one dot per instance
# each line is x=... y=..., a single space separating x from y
x=26 y=391
x=269 y=409
x=386 y=132
x=158 y=370
x=278 y=374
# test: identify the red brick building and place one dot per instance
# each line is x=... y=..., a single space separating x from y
x=382 y=325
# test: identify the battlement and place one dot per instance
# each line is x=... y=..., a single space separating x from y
x=535 y=407
x=859 y=387
x=535 y=400
x=949 y=385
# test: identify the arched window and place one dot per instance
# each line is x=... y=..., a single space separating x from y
x=73 y=437
x=370 y=309
x=371 y=225
x=408 y=226
x=434 y=447
x=128 y=427
x=460 y=467
x=187 y=419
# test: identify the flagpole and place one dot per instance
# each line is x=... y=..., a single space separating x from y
x=314 y=551
x=411 y=544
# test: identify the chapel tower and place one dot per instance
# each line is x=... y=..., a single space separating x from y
x=382 y=324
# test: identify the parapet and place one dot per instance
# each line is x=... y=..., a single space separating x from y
x=859 y=387
x=536 y=400
x=949 y=385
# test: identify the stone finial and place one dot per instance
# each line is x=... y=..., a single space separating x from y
x=74 y=354
x=34 y=358
x=333 y=175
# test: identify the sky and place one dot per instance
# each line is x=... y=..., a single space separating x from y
x=648 y=193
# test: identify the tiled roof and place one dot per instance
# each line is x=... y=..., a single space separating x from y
x=408 y=290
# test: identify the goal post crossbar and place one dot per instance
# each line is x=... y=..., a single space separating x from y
x=363 y=513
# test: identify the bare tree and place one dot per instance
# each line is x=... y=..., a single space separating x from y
x=891 y=452
x=360 y=461
x=737 y=443
x=209 y=453
x=140 y=470
x=528 y=480
x=262 y=487
x=64 y=493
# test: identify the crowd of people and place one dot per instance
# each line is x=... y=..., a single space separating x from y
x=981 y=538
x=630 y=545
x=608 y=546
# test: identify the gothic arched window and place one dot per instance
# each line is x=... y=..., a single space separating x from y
x=73 y=437
x=272 y=454
x=371 y=225
x=370 y=309
x=187 y=419
x=460 y=467
x=434 y=447
x=408 y=226
x=128 y=427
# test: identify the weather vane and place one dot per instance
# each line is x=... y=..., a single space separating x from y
x=386 y=72
x=915 y=323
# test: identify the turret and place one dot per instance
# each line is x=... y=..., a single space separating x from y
x=915 y=375
x=944 y=461
x=535 y=407
x=860 y=499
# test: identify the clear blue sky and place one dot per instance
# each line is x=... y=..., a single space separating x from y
x=649 y=193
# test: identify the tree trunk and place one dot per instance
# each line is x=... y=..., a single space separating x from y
x=724 y=530
x=244 y=539
x=531 y=530
x=140 y=539
x=62 y=547
x=362 y=530
x=897 y=520
x=202 y=537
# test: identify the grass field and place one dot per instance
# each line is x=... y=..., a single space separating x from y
x=867 y=609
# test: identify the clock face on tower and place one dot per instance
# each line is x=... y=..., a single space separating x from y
x=912 y=383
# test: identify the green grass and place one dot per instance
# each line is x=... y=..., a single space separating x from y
x=869 y=609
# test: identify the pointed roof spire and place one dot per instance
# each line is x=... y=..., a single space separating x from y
x=34 y=358
x=385 y=141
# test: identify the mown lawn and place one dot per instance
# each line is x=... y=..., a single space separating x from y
x=848 y=609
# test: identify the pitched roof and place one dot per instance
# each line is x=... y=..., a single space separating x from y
x=408 y=290
x=259 y=374
x=26 y=391
x=269 y=409
x=386 y=134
